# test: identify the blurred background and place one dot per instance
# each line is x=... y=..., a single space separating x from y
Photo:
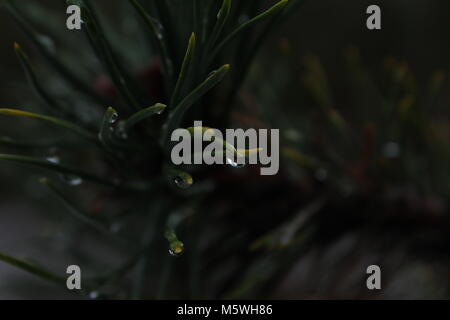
x=364 y=119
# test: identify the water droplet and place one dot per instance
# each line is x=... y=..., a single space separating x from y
x=72 y=180
x=53 y=159
x=182 y=183
x=176 y=249
x=94 y=295
x=52 y=155
x=113 y=118
x=234 y=164
x=159 y=29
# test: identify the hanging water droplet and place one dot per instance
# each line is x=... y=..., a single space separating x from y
x=181 y=179
x=182 y=183
x=53 y=159
x=94 y=295
x=159 y=29
x=176 y=249
x=72 y=180
x=52 y=155
x=234 y=164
